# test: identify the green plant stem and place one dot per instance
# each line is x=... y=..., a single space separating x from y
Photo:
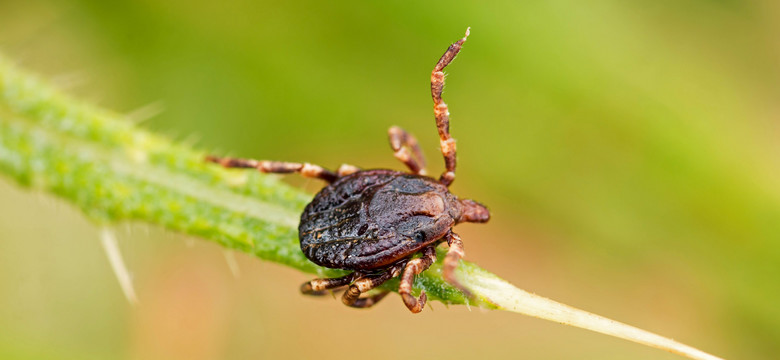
x=115 y=171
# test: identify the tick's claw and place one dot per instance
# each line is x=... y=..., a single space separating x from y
x=415 y=305
x=307 y=289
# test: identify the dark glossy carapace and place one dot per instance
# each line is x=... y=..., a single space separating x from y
x=371 y=219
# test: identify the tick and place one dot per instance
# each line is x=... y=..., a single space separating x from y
x=376 y=222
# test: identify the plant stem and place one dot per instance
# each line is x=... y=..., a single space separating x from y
x=115 y=171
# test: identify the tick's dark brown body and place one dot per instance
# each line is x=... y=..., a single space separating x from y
x=374 y=222
x=371 y=219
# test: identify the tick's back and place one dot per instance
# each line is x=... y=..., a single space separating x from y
x=367 y=220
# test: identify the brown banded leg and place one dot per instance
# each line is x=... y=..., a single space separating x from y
x=412 y=268
x=321 y=286
x=279 y=167
x=454 y=254
x=352 y=296
x=369 y=301
x=442 y=113
x=346 y=169
x=407 y=149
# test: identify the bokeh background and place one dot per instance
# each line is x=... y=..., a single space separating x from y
x=628 y=150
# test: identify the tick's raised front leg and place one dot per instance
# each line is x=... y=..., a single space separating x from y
x=265 y=166
x=454 y=254
x=413 y=268
x=352 y=296
x=442 y=113
x=407 y=149
x=321 y=286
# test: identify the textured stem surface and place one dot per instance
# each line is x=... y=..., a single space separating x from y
x=113 y=171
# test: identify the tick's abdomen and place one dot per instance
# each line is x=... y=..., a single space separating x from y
x=347 y=227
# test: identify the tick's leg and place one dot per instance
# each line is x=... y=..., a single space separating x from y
x=346 y=169
x=442 y=113
x=369 y=301
x=454 y=254
x=402 y=142
x=279 y=167
x=321 y=286
x=352 y=296
x=413 y=268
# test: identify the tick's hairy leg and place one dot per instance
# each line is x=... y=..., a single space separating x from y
x=278 y=167
x=347 y=169
x=441 y=112
x=407 y=150
x=369 y=301
x=352 y=296
x=321 y=286
x=454 y=254
x=412 y=268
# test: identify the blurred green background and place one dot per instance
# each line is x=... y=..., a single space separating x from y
x=627 y=149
